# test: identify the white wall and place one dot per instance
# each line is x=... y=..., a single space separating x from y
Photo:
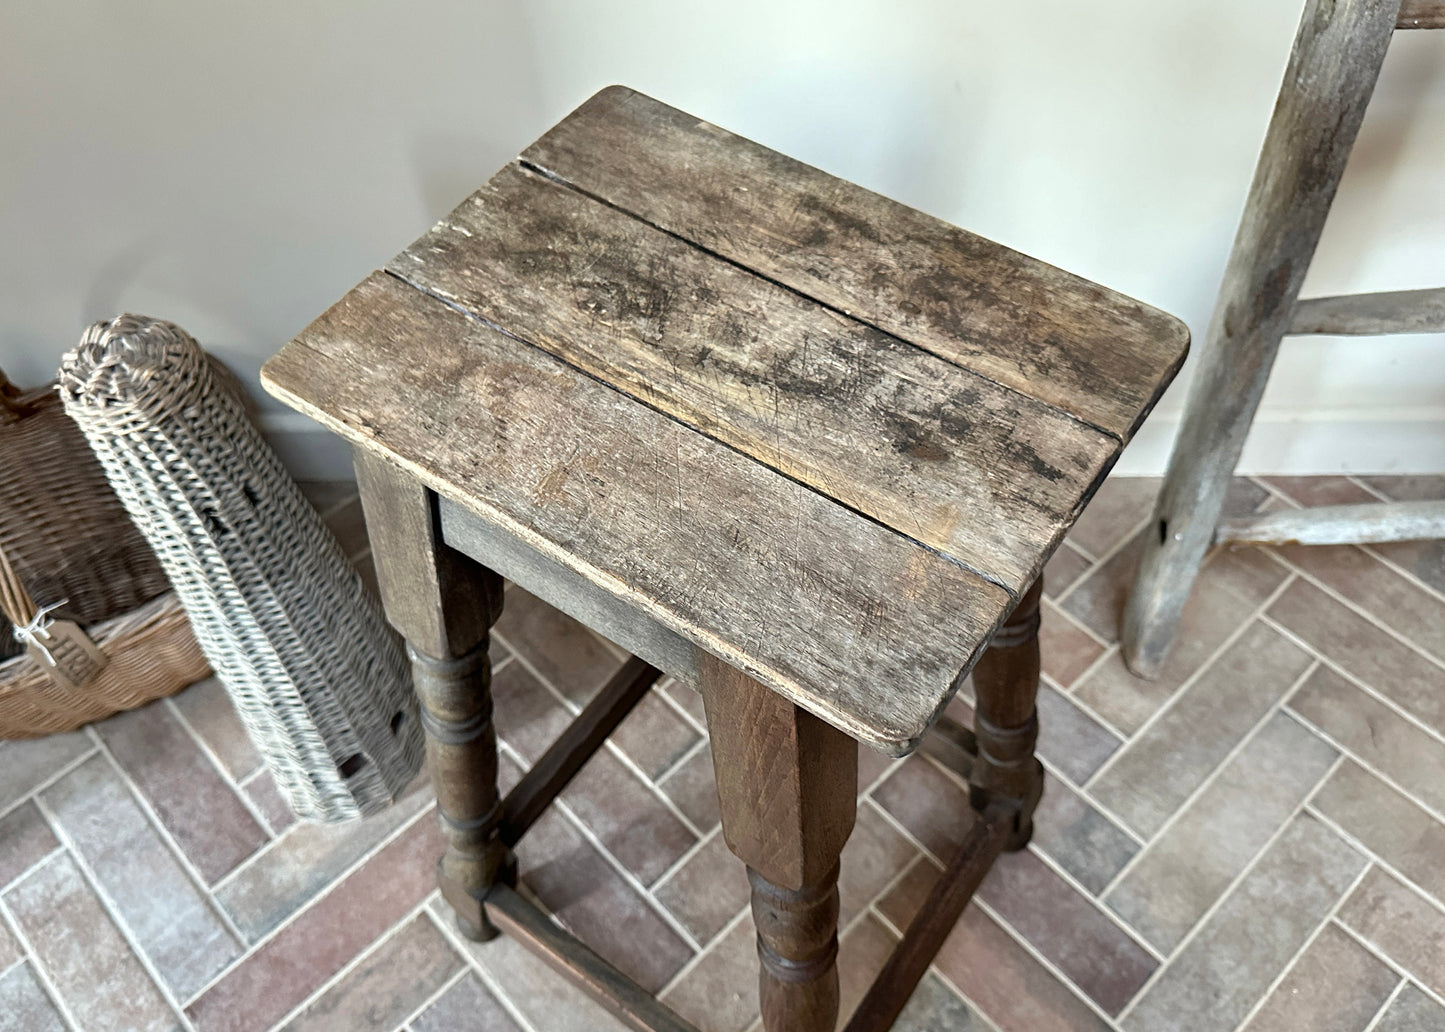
x=236 y=167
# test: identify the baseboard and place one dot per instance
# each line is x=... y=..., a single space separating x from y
x=1277 y=444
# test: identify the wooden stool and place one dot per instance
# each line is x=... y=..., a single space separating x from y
x=795 y=444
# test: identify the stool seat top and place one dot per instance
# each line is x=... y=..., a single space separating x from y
x=821 y=435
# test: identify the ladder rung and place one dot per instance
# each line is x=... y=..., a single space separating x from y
x=1397 y=311
x=1337 y=525
x=1421 y=14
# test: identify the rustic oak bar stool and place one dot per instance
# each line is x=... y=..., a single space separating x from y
x=802 y=447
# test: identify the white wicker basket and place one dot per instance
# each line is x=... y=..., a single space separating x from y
x=317 y=675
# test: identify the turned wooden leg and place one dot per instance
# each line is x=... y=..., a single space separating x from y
x=787 y=784
x=1005 y=721
x=444 y=604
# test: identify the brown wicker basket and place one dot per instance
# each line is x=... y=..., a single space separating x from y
x=65 y=536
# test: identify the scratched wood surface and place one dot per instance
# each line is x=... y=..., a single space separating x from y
x=1043 y=332
x=855 y=622
x=948 y=457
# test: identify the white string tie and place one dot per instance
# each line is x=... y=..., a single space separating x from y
x=39 y=627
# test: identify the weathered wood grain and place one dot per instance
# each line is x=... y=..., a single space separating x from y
x=853 y=622
x=1041 y=331
x=787 y=785
x=1421 y=14
x=1395 y=311
x=1338 y=525
x=949 y=458
x=1337 y=54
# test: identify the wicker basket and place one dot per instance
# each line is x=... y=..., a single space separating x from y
x=65 y=536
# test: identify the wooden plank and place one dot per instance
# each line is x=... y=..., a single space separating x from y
x=579 y=964
x=906 y=966
x=1338 y=525
x=1396 y=311
x=1337 y=54
x=531 y=796
x=816 y=602
x=980 y=472
x=1068 y=342
x=1421 y=14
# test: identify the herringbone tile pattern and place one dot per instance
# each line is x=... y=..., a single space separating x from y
x=1255 y=840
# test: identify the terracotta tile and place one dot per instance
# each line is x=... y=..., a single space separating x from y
x=1066 y=651
x=931 y=805
x=862 y=951
x=1405 y=926
x=83 y=954
x=1161 y=766
x=623 y=811
x=10 y=950
x=466 y=1005
x=204 y=816
x=1412 y=1011
x=1365 y=651
x=267 y=798
x=346 y=521
x=168 y=916
x=686 y=697
x=1190 y=866
x=1374 y=733
x=1065 y=927
x=208 y=709
x=1064 y=567
x=1396 y=601
x=1005 y=982
x=325 y=937
x=1336 y=986
x=1312 y=491
x=1388 y=824
x=544 y=998
x=24 y=765
x=304 y=861
x=1074 y=742
x=935 y=1007
x=1212 y=983
x=1080 y=839
x=24 y=839
x=1228 y=589
x=654 y=737
x=874 y=855
x=1424 y=560
x=567 y=654
x=572 y=880
x=707 y=892
x=1417 y=488
x=1120 y=505
x=24 y=1007
x=720 y=994
x=872 y=765
x=692 y=787
x=387 y=986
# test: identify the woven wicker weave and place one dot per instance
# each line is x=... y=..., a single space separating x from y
x=317 y=675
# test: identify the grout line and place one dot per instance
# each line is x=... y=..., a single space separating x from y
x=686 y=858
x=697 y=958
x=1363 y=486
x=1364 y=686
x=626 y=875
x=1092 y=669
x=1394 y=965
x=112 y=912
x=366 y=952
x=27 y=953
x=59 y=848
x=1369 y=549
x=1104 y=557
x=1358 y=609
x=1054 y=609
x=1289 y=966
x=163 y=833
x=463 y=949
x=462 y=972
x=1205 y=918
x=1195 y=676
x=1385 y=1007
x=1177 y=813
x=1385 y=865
x=322 y=891
x=677 y=707
x=234 y=785
x=686 y=757
x=1096 y=903
x=1084 y=707
x=51 y=779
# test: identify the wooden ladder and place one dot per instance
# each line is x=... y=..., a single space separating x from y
x=1336 y=59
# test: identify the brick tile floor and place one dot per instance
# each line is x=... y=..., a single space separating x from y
x=1255 y=841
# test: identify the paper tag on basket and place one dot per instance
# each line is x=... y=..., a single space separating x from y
x=66 y=653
